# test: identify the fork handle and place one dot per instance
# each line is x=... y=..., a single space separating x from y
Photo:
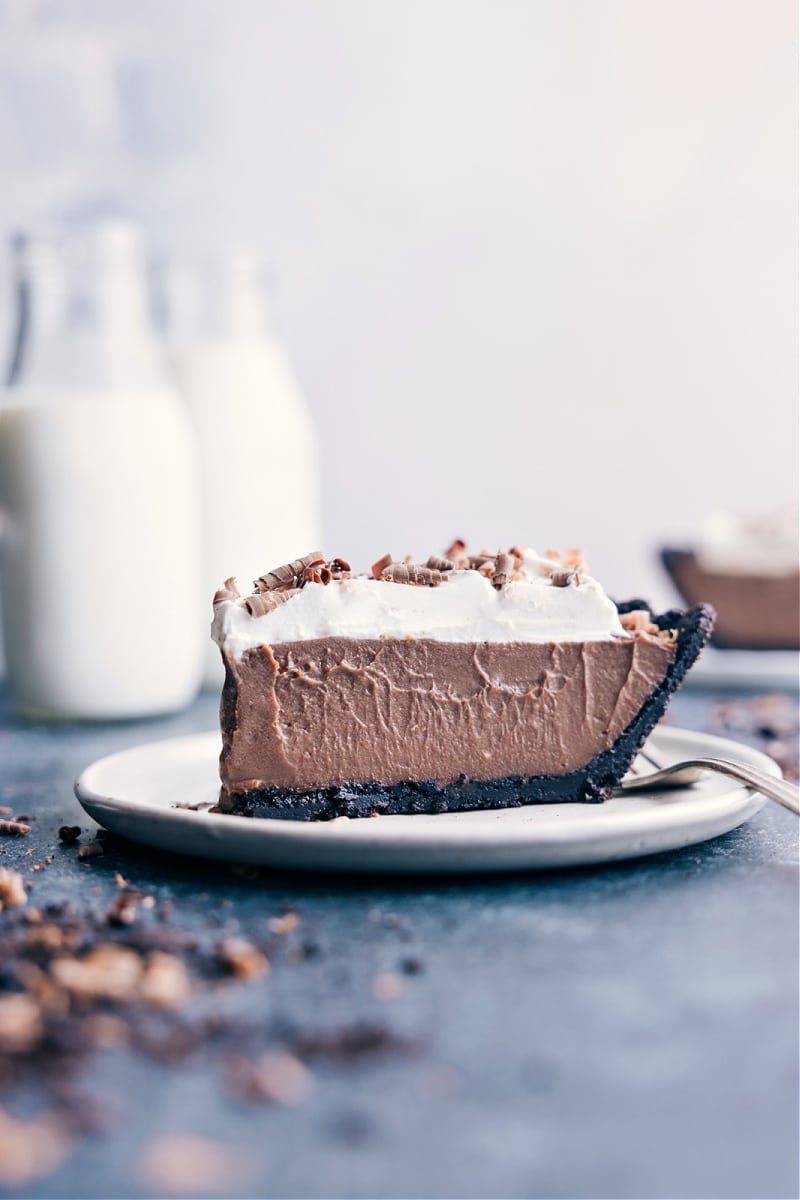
x=782 y=790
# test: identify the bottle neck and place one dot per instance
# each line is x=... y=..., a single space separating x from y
x=84 y=318
x=224 y=301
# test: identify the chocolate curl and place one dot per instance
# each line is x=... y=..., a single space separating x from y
x=263 y=602
x=290 y=575
x=339 y=566
x=456 y=549
x=379 y=567
x=317 y=575
x=228 y=591
x=260 y=603
x=437 y=562
x=504 y=566
x=476 y=561
x=564 y=578
x=401 y=572
x=568 y=568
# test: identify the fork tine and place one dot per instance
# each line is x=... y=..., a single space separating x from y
x=648 y=758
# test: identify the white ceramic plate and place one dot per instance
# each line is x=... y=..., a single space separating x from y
x=762 y=669
x=138 y=794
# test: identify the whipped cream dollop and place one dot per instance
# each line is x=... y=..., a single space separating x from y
x=466 y=608
x=761 y=545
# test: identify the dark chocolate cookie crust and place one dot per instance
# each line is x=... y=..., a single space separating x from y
x=591 y=784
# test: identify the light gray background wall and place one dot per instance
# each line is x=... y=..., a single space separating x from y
x=536 y=260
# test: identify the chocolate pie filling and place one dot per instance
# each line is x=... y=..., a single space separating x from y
x=341 y=726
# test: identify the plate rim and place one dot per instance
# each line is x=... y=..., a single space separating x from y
x=594 y=821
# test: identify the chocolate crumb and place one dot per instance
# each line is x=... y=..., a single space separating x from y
x=12 y=889
x=243 y=959
x=68 y=834
x=638 y=621
x=91 y=850
x=21 y=1026
x=277 y=1077
x=123 y=909
x=109 y=971
x=14 y=828
x=285 y=924
x=387 y=986
x=185 y=1165
x=31 y=1149
x=165 y=983
x=353 y=1043
x=40 y=866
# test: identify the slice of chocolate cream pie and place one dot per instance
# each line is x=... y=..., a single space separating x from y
x=481 y=681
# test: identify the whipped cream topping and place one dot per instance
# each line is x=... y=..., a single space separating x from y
x=766 y=545
x=466 y=608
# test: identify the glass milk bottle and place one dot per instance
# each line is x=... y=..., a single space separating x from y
x=104 y=613
x=257 y=443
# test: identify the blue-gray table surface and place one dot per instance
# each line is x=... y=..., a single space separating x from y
x=625 y=1031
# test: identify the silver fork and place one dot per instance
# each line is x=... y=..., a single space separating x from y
x=685 y=773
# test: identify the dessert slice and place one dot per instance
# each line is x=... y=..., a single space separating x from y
x=748 y=570
x=755 y=612
x=470 y=682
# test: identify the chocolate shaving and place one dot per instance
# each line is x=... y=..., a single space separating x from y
x=456 y=549
x=317 y=575
x=228 y=591
x=639 y=620
x=339 y=566
x=504 y=565
x=290 y=575
x=379 y=567
x=564 y=578
x=263 y=602
x=400 y=572
x=438 y=562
